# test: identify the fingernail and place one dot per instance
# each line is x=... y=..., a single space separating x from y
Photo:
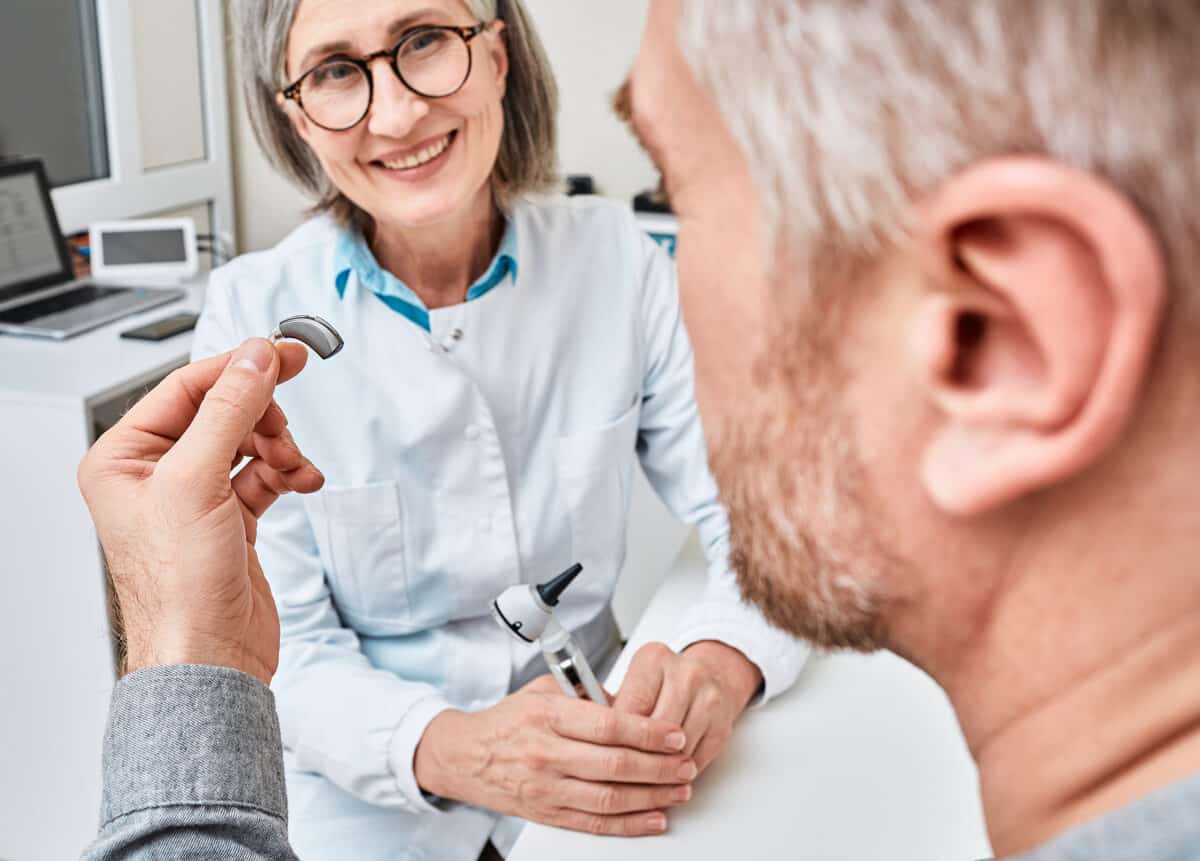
x=676 y=740
x=254 y=355
x=657 y=822
x=688 y=771
x=683 y=793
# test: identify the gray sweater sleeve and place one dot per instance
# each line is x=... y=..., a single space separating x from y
x=193 y=768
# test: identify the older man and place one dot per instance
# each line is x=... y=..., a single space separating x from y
x=937 y=262
x=939 y=266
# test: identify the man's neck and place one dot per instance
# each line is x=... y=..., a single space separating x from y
x=1114 y=736
x=1079 y=694
x=440 y=261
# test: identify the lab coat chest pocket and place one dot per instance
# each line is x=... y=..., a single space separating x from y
x=595 y=470
x=362 y=529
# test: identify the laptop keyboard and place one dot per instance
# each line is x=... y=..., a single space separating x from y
x=60 y=303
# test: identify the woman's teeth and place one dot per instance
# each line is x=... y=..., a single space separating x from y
x=424 y=156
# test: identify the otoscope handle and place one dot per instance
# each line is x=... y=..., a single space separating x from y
x=570 y=667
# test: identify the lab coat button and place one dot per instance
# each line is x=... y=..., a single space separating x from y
x=472 y=432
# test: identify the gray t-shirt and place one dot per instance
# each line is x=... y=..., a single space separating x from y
x=1164 y=826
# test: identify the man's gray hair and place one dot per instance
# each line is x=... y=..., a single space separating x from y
x=528 y=158
x=848 y=110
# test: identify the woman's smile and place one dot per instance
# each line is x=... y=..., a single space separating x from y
x=419 y=162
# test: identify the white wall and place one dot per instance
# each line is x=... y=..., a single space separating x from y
x=592 y=47
x=166 y=52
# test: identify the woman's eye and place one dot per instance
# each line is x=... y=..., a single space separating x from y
x=334 y=73
x=424 y=43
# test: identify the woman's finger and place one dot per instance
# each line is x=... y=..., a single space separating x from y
x=675 y=697
x=611 y=799
x=695 y=725
x=643 y=680
x=622 y=765
x=599 y=725
x=710 y=747
x=624 y=825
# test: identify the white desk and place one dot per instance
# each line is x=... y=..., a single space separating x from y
x=56 y=656
x=862 y=760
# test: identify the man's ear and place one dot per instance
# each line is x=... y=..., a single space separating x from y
x=1034 y=341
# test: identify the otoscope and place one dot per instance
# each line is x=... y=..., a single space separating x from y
x=527 y=612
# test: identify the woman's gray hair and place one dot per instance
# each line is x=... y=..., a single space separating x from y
x=528 y=158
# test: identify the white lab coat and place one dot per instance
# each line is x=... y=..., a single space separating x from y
x=456 y=467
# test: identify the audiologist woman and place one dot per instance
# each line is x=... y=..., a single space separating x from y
x=509 y=354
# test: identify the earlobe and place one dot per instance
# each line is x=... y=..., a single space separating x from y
x=1045 y=300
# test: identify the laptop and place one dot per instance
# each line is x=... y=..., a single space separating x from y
x=39 y=294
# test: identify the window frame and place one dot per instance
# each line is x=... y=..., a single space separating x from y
x=129 y=191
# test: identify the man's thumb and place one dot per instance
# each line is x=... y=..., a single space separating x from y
x=232 y=407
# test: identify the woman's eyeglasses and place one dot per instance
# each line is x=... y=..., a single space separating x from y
x=433 y=62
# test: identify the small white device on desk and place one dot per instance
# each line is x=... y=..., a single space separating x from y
x=154 y=251
x=39 y=294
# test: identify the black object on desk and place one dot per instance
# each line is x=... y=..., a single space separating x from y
x=580 y=183
x=162 y=329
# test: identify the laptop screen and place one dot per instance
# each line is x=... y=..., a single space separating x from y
x=29 y=251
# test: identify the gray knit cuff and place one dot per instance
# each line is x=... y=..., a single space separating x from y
x=190 y=734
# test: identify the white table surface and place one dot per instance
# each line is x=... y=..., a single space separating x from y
x=87 y=366
x=862 y=760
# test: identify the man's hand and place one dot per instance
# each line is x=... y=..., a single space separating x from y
x=704 y=690
x=177 y=530
x=559 y=760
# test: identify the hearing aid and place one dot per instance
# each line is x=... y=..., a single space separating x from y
x=312 y=331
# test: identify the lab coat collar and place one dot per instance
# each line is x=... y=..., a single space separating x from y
x=353 y=256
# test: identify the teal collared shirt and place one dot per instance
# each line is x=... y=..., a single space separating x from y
x=354 y=256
